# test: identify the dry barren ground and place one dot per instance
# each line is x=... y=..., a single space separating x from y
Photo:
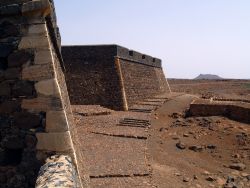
x=198 y=151
x=155 y=145
x=237 y=89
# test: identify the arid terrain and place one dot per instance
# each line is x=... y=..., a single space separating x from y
x=200 y=151
x=234 y=89
x=155 y=143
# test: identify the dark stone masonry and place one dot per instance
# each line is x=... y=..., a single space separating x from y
x=31 y=91
x=111 y=75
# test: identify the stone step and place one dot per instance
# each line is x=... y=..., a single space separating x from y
x=136 y=120
x=140 y=110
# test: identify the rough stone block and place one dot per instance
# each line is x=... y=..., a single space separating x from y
x=8 y=29
x=36 y=8
x=10 y=10
x=47 y=87
x=40 y=41
x=42 y=104
x=26 y=120
x=5 y=49
x=5 y=89
x=12 y=73
x=38 y=72
x=13 y=142
x=56 y=121
x=54 y=141
x=30 y=141
x=9 y=2
x=8 y=107
x=23 y=89
x=37 y=29
x=19 y=58
x=43 y=57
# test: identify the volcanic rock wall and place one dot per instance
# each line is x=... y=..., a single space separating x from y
x=111 y=76
x=35 y=116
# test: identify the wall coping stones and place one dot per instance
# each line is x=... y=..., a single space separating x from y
x=36 y=8
x=47 y=87
x=60 y=142
x=56 y=121
x=123 y=53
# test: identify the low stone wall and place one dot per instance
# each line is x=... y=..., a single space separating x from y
x=58 y=171
x=236 y=111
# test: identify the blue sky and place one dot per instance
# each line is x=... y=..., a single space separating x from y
x=190 y=36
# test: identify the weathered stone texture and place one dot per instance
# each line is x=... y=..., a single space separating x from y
x=47 y=87
x=32 y=91
x=58 y=171
x=99 y=84
x=232 y=110
x=54 y=141
x=38 y=72
x=93 y=76
x=140 y=81
x=56 y=121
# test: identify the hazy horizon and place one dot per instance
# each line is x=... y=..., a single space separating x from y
x=191 y=37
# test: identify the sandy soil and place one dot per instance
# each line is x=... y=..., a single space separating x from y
x=197 y=151
x=236 y=89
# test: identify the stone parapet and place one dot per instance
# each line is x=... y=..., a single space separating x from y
x=234 y=110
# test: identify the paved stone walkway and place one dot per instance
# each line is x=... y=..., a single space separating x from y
x=115 y=145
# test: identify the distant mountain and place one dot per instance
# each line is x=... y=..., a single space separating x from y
x=208 y=77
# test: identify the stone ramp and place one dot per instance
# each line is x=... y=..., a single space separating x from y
x=115 y=149
x=115 y=146
x=114 y=156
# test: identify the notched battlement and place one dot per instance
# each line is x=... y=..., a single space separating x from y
x=113 y=50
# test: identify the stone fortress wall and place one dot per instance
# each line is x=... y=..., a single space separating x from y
x=35 y=115
x=111 y=75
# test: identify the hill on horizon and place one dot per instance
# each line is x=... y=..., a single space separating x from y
x=208 y=77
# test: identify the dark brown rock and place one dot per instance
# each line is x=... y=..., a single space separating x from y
x=7 y=29
x=23 y=88
x=12 y=73
x=10 y=9
x=30 y=141
x=13 y=142
x=3 y=64
x=8 y=107
x=181 y=145
x=5 y=89
x=5 y=50
x=3 y=178
x=26 y=120
x=2 y=158
x=19 y=58
x=196 y=148
x=238 y=166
